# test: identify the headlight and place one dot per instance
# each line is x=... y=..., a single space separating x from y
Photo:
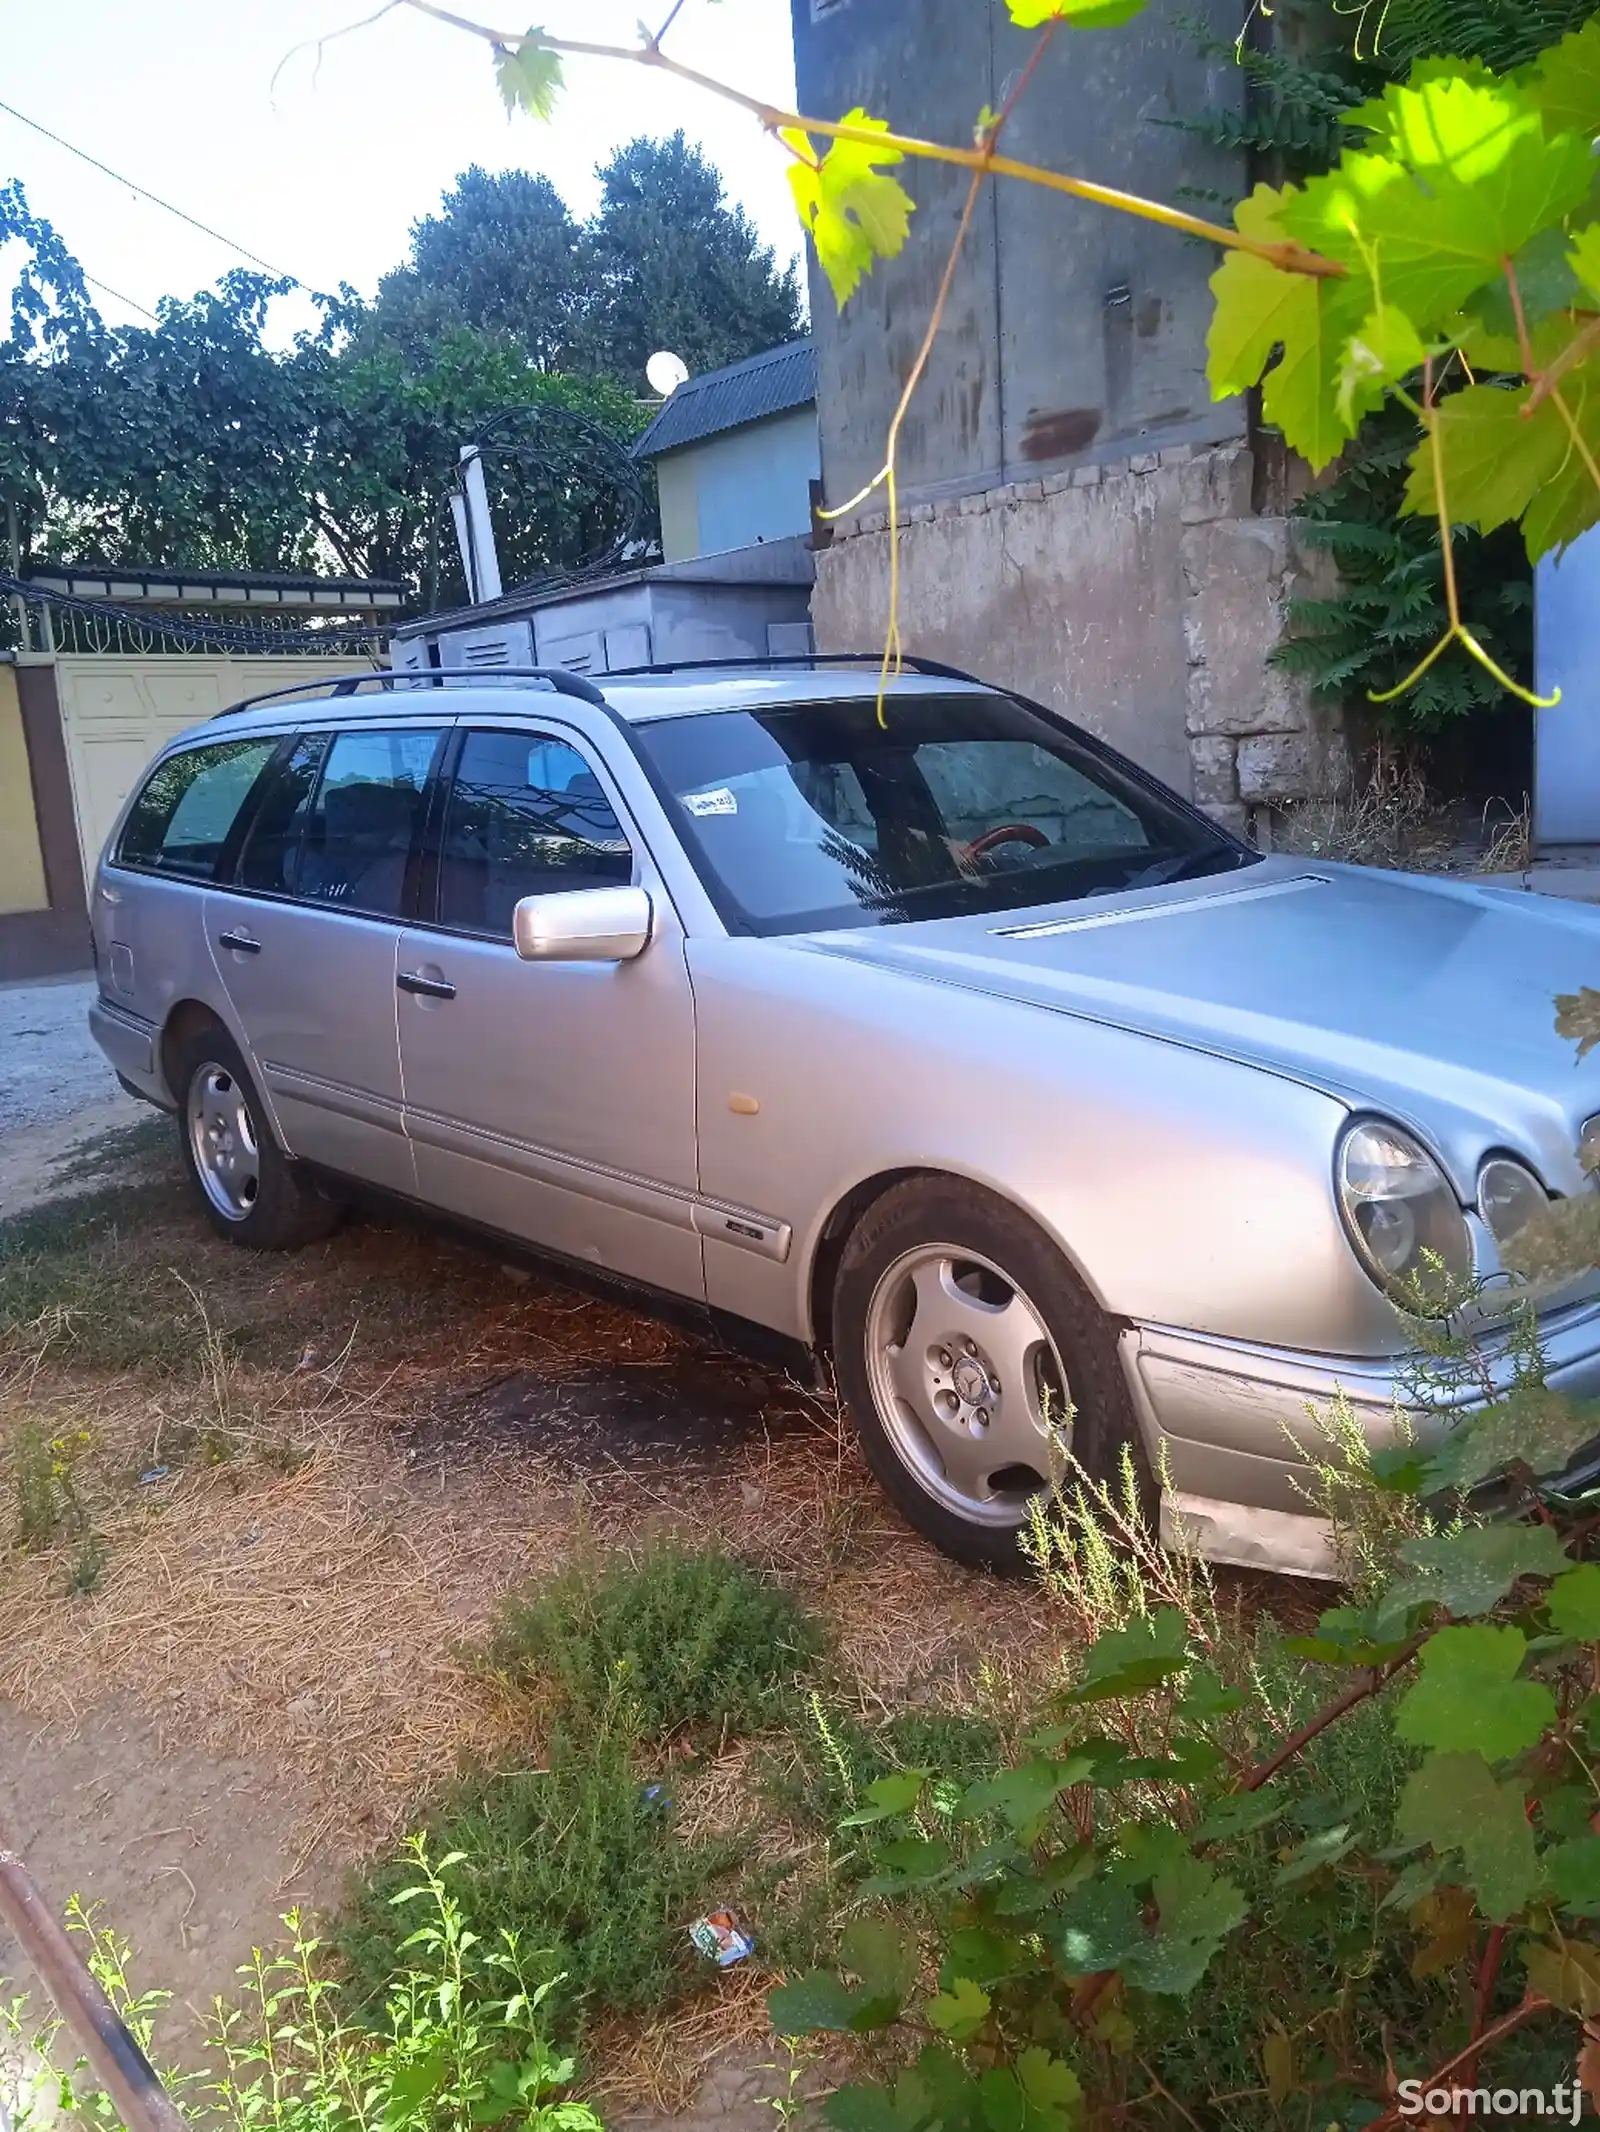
x=1402 y=1214
x=1589 y=1145
x=1509 y=1196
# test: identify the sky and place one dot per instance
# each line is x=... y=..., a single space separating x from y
x=322 y=171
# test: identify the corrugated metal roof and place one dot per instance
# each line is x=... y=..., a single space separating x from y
x=766 y=384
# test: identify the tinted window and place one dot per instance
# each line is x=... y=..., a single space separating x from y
x=817 y=815
x=272 y=847
x=182 y=818
x=525 y=817
x=362 y=824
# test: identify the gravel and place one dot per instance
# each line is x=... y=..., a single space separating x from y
x=50 y=1066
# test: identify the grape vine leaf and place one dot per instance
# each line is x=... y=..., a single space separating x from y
x=1197 y=1909
x=1471 y=1571
x=961 y=2011
x=1455 y=1803
x=888 y=1796
x=1574 y=1873
x=818 y=2001
x=1469 y=178
x=855 y=214
x=1567 y=1974
x=1584 y=257
x=1574 y=1602
x=883 y=1957
x=1023 y=1796
x=1535 y=1425
x=861 y=2106
x=529 y=75
x=1132 y=1660
x=1468 y=1698
x=1260 y=308
x=1099 y=1926
x=1379 y=353
x=1326 y=1847
x=1077 y=14
x=1495 y=459
x=1565 y=82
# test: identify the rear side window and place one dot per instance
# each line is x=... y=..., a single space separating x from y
x=364 y=822
x=272 y=848
x=526 y=817
x=186 y=812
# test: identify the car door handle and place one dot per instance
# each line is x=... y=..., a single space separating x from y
x=241 y=943
x=429 y=987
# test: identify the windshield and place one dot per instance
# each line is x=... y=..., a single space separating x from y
x=815 y=815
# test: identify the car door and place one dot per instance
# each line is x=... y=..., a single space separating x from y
x=551 y=1100
x=305 y=939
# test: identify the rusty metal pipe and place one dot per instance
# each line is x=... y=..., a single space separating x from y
x=114 y=2056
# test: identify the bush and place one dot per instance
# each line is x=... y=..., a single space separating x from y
x=580 y=1862
x=683 y=1637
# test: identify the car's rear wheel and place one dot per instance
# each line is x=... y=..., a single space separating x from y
x=976 y=1365
x=250 y=1191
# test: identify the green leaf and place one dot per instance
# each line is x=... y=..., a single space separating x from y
x=1100 y=1925
x=881 y=1954
x=1239 y=1814
x=1469 y=1572
x=1469 y=1699
x=1326 y=1847
x=1574 y=1873
x=1539 y=1427
x=1348 y=1636
x=1455 y=1803
x=1052 y=2088
x=862 y=2107
x=1420 y=1878
x=818 y=2001
x=1023 y=1796
x=1565 y=83
x=1567 y=1974
x=1133 y=1660
x=529 y=75
x=1573 y=1603
x=854 y=213
x=1206 y=1696
x=1259 y=308
x=1468 y=179
x=888 y=1796
x=1077 y=14
x=961 y=2011
x=1584 y=257
x=1383 y=349
x=1496 y=460
x=1198 y=1909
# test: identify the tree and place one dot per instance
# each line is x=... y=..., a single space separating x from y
x=502 y=254
x=671 y=265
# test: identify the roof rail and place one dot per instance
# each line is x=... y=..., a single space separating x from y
x=556 y=678
x=802 y=659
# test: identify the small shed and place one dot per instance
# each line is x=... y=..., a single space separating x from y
x=736 y=455
x=751 y=604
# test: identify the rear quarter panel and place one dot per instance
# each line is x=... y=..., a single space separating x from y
x=1188 y=1190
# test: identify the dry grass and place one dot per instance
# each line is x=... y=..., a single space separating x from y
x=343 y=1513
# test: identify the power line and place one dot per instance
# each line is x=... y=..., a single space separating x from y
x=106 y=289
x=156 y=200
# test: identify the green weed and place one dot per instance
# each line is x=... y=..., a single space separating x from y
x=685 y=1638
x=578 y=1861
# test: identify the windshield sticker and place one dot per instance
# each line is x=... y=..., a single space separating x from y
x=718 y=801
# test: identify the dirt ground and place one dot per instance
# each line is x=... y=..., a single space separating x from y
x=313 y=1479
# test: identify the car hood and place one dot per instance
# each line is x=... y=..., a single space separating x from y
x=1430 y=999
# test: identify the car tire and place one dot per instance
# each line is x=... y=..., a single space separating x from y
x=250 y=1191
x=948 y=1304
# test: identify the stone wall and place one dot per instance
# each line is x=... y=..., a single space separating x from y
x=1140 y=597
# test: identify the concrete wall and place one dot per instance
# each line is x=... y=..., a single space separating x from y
x=1073 y=334
x=1140 y=598
x=22 y=885
x=745 y=486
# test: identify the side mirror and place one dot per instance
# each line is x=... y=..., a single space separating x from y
x=583 y=925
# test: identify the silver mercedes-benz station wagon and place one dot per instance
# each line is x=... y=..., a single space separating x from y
x=946 y=1045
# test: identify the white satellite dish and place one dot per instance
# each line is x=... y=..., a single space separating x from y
x=666 y=372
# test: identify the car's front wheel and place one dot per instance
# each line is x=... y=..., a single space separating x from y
x=251 y=1192
x=974 y=1361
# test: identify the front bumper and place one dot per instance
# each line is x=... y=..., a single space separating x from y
x=1234 y=1429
